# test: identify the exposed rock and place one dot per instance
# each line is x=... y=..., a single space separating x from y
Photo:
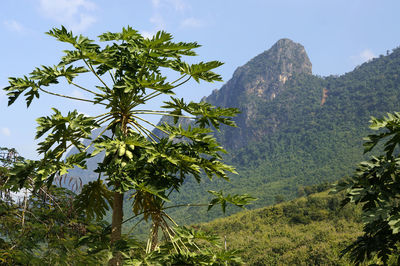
x=258 y=82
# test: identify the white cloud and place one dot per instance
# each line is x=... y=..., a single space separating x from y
x=178 y=5
x=366 y=55
x=84 y=23
x=74 y=14
x=13 y=25
x=161 y=7
x=192 y=23
x=156 y=3
x=5 y=131
x=362 y=57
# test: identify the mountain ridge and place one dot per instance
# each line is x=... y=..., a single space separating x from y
x=310 y=133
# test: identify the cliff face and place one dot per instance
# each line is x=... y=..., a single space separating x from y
x=256 y=83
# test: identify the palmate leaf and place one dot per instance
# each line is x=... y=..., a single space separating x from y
x=43 y=76
x=391 y=124
x=205 y=113
x=157 y=40
x=198 y=151
x=178 y=105
x=202 y=71
x=127 y=34
x=20 y=85
x=190 y=235
x=63 y=35
x=94 y=200
x=155 y=82
x=78 y=159
x=192 y=133
x=48 y=75
x=217 y=168
x=175 y=50
x=64 y=129
x=79 y=42
x=161 y=45
x=35 y=174
x=208 y=115
x=237 y=200
x=70 y=57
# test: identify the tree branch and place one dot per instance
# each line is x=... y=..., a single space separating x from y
x=83 y=88
x=68 y=97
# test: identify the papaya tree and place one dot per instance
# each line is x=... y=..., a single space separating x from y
x=130 y=71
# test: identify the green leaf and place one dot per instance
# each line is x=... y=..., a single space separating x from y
x=94 y=200
x=237 y=200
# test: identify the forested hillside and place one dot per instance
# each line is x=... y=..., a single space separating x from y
x=309 y=132
x=310 y=230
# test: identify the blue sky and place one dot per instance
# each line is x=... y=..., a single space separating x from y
x=338 y=35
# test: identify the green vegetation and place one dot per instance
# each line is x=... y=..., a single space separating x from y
x=295 y=140
x=42 y=227
x=129 y=70
x=376 y=186
x=310 y=230
x=303 y=142
x=300 y=130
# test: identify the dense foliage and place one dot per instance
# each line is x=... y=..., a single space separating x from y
x=41 y=226
x=376 y=186
x=310 y=230
x=130 y=71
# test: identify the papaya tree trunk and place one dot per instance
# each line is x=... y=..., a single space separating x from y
x=116 y=226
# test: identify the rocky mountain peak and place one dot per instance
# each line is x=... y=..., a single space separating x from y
x=264 y=75
x=291 y=57
x=259 y=82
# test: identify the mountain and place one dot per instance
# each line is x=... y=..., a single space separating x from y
x=296 y=129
